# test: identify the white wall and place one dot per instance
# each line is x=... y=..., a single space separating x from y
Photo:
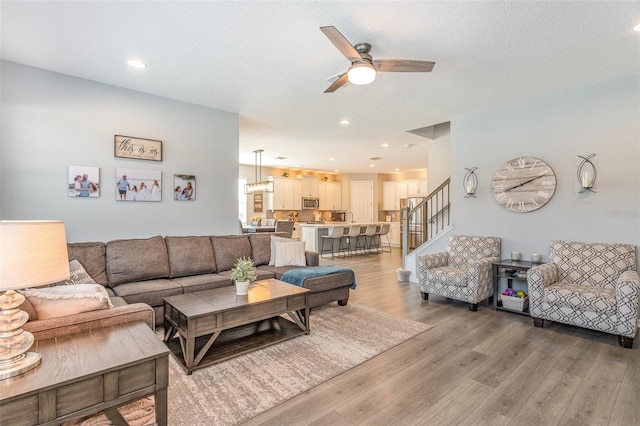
x=50 y=121
x=603 y=119
x=439 y=163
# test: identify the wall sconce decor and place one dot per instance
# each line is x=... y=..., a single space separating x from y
x=470 y=182
x=586 y=174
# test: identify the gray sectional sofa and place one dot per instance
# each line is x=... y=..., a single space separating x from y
x=147 y=270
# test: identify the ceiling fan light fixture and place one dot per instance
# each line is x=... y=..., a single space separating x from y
x=361 y=73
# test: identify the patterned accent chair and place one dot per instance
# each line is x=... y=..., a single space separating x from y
x=463 y=272
x=590 y=285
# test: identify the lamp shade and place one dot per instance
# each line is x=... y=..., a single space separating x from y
x=361 y=73
x=32 y=253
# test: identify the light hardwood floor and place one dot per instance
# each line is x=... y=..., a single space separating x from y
x=486 y=367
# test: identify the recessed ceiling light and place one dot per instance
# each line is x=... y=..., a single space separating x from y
x=336 y=170
x=136 y=63
x=297 y=165
x=385 y=145
x=345 y=122
x=332 y=159
x=372 y=165
x=636 y=28
x=396 y=170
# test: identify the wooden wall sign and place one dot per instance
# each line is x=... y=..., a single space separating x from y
x=138 y=148
x=257 y=202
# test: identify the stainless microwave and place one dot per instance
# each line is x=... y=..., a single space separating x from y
x=310 y=203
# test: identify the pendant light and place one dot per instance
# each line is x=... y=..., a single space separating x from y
x=259 y=185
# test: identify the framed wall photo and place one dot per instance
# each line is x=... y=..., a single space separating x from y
x=138 y=185
x=184 y=187
x=137 y=148
x=83 y=181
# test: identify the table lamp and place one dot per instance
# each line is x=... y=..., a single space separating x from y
x=32 y=253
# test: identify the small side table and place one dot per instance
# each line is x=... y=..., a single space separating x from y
x=500 y=271
x=84 y=373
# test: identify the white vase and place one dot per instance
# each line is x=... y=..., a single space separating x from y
x=242 y=288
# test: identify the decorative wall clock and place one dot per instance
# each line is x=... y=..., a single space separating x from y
x=523 y=184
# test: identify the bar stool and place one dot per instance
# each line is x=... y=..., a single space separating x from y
x=384 y=231
x=335 y=233
x=353 y=241
x=370 y=237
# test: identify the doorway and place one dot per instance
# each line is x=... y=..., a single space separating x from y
x=362 y=201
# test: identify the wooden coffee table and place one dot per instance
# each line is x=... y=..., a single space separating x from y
x=210 y=326
x=84 y=373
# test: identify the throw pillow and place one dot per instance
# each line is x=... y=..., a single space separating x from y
x=274 y=240
x=290 y=254
x=77 y=275
x=60 y=301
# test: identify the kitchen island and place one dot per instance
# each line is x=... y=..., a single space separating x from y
x=312 y=232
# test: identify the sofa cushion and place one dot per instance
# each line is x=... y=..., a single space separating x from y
x=447 y=276
x=202 y=282
x=190 y=256
x=275 y=239
x=464 y=249
x=276 y=271
x=261 y=274
x=290 y=254
x=77 y=275
x=60 y=301
x=595 y=264
x=228 y=248
x=150 y=292
x=92 y=257
x=582 y=297
x=135 y=260
x=260 y=248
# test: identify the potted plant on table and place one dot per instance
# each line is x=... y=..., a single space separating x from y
x=243 y=273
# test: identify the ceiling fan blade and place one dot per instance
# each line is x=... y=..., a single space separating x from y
x=341 y=43
x=342 y=81
x=403 y=65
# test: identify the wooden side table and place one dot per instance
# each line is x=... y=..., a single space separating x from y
x=500 y=271
x=85 y=373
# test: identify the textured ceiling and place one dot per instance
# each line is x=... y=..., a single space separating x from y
x=269 y=62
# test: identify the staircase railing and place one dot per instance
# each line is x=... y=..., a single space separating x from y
x=425 y=220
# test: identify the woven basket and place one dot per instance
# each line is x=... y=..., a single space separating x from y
x=515 y=303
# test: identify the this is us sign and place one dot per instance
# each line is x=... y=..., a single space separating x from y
x=138 y=148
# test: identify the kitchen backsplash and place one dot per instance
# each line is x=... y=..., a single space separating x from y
x=300 y=216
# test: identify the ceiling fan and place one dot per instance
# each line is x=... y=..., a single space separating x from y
x=363 y=67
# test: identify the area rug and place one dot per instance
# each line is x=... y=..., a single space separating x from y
x=236 y=390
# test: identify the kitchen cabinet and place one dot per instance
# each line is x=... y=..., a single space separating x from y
x=297 y=232
x=395 y=235
x=330 y=195
x=309 y=186
x=286 y=195
x=417 y=188
x=392 y=192
x=308 y=235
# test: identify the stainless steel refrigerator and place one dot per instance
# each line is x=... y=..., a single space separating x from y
x=416 y=222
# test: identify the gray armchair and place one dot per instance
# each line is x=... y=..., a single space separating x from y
x=463 y=272
x=590 y=285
